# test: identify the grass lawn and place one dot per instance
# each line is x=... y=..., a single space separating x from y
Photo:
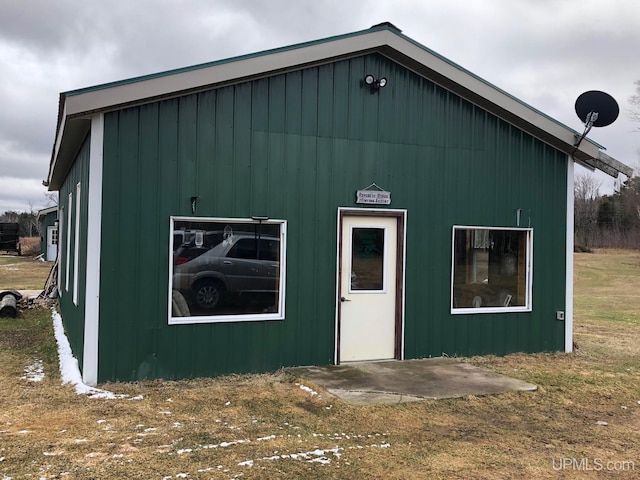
x=583 y=422
x=23 y=273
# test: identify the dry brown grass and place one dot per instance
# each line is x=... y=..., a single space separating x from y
x=22 y=273
x=266 y=426
x=30 y=246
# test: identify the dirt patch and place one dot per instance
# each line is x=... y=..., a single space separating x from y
x=17 y=340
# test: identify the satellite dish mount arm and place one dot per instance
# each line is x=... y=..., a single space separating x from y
x=588 y=123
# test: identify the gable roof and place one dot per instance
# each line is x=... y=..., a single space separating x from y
x=76 y=107
x=46 y=211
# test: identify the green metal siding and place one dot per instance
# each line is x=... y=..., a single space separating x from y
x=48 y=221
x=297 y=146
x=72 y=314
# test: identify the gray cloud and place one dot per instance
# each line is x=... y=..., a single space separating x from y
x=545 y=52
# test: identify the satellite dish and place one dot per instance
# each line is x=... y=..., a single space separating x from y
x=601 y=104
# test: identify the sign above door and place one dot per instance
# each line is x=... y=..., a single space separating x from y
x=373 y=195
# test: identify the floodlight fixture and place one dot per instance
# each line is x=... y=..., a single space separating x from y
x=374 y=85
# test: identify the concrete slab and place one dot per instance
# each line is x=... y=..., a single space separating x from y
x=30 y=294
x=408 y=381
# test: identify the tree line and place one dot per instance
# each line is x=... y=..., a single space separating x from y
x=28 y=225
x=609 y=221
x=606 y=221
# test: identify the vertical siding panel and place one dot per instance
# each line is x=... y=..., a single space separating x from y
x=186 y=180
x=108 y=311
x=223 y=176
x=168 y=203
x=206 y=150
x=277 y=104
x=203 y=340
x=151 y=314
x=340 y=100
x=126 y=244
x=310 y=102
x=260 y=105
x=413 y=113
x=325 y=100
x=307 y=257
x=292 y=212
x=245 y=172
x=326 y=247
x=293 y=103
x=356 y=99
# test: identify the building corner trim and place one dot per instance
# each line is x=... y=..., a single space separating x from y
x=568 y=322
x=94 y=222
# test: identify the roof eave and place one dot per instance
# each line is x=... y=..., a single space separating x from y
x=77 y=106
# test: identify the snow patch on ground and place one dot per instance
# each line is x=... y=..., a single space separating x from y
x=69 y=370
x=307 y=389
x=34 y=373
x=322 y=456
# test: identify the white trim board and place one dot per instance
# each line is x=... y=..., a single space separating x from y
x=79 y=104
x=94 y=229
x=568 y=308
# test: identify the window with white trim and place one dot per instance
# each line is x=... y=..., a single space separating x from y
x=68 y=256
x=61 y=240
x=491 y=269
x=226 y=270
x=76 y=247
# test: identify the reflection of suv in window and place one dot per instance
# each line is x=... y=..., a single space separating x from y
x=190 y=250
x=242 y=264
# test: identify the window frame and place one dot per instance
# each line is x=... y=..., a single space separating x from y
x=252 y=317
x=68 y=245
x=76 y=245
x=385 y=266
x=61 y=253
x=527 y=307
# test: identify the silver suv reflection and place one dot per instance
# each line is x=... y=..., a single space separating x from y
x=241 y=264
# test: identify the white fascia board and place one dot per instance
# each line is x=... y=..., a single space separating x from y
x=234 y=70
x=47 y=211
x=58 y=141
x=169 y=84
x=489 y=92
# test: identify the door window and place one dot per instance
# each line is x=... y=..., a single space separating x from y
x=367 y=259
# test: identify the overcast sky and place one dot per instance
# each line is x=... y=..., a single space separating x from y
x=545 y=52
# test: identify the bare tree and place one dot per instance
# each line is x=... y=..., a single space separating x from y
x=586 y=203
x=634 y=101
x=52 y=198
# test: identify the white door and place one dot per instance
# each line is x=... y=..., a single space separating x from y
x=52 y=243
x=367 y=307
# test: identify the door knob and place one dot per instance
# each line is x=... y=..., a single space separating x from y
x=342 y=299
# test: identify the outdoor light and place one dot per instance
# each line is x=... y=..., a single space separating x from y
x=374 y=85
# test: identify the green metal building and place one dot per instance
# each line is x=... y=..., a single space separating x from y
x=350 y=199
x=47 y=218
